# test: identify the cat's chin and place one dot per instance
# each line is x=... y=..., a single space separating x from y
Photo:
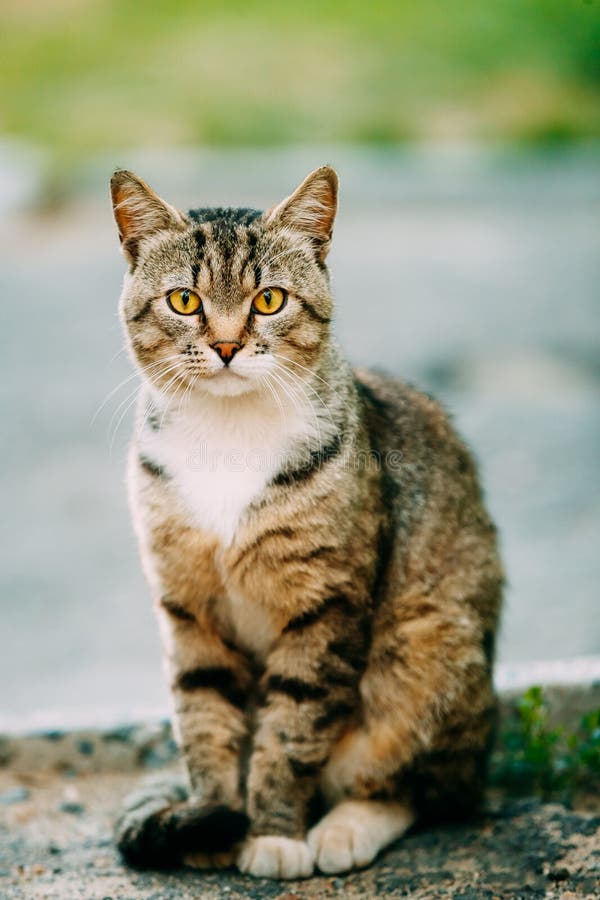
x=227 y=384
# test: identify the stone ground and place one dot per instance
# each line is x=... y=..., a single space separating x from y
x=61 y=791
x=55 y=844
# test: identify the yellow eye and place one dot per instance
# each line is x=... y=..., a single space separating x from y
x=184 y=302
x=269 y=301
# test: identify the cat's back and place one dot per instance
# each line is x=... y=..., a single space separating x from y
x=430 y=475
x=441 y=527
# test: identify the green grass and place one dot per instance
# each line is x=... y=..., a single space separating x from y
x=82 y=76
x=535 y=758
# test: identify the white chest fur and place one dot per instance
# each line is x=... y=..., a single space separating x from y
x=221 y=452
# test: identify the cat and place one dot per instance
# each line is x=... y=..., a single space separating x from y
x=326 y=577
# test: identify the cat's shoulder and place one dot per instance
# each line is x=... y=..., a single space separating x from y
x=392 y=396
x=398 y=413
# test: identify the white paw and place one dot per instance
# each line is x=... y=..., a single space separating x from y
x=341 y=847
x=276 y=857
x=353 y=833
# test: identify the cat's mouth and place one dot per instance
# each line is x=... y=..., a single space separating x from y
x=228 y=374
x=227 y=382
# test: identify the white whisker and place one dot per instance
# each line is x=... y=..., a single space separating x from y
x=303 y=386
x=130 y=401
x=276 y=397
x=295 y=402
x=172 y=381
x=129 y=378
x=117 y=354
x=310 y=371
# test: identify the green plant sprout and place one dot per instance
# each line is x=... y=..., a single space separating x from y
x=535 y=758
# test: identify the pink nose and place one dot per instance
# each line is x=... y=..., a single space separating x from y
x=226 y=349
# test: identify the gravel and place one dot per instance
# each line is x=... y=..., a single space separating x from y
x=518 y=849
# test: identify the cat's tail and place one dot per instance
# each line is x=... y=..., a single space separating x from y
x=161 y=825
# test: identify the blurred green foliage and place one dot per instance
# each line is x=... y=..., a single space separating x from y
x=536 y=758
x=80 y=76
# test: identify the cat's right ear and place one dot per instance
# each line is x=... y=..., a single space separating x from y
x=139 y=212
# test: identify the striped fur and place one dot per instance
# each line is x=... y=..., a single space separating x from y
x=325 y=575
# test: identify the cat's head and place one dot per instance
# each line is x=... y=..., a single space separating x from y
x=221 y=300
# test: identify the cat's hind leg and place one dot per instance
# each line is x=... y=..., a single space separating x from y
x=427 y=711
x=355 y=831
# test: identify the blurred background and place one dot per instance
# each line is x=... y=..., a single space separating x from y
x=466 y=258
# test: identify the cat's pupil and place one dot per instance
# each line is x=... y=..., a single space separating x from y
x=267 y=296
x=185 y=298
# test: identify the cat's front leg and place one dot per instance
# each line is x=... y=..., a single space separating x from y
x=211 y=682
x=310 y=696
x=198 y=824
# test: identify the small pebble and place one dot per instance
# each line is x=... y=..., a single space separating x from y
x=86 y=748
x=74 y=809
x=561 y=873
x=14 y=795
x=71 y=793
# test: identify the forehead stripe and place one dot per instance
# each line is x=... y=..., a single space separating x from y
x=248 y=261
x=200 y=239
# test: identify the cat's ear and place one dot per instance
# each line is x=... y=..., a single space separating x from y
x=311 y=208
x=139 y=212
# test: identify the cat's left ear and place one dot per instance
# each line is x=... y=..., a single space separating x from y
x=311 y=209
x=139 y=212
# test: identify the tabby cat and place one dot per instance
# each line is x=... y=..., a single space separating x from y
x=325 y=574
